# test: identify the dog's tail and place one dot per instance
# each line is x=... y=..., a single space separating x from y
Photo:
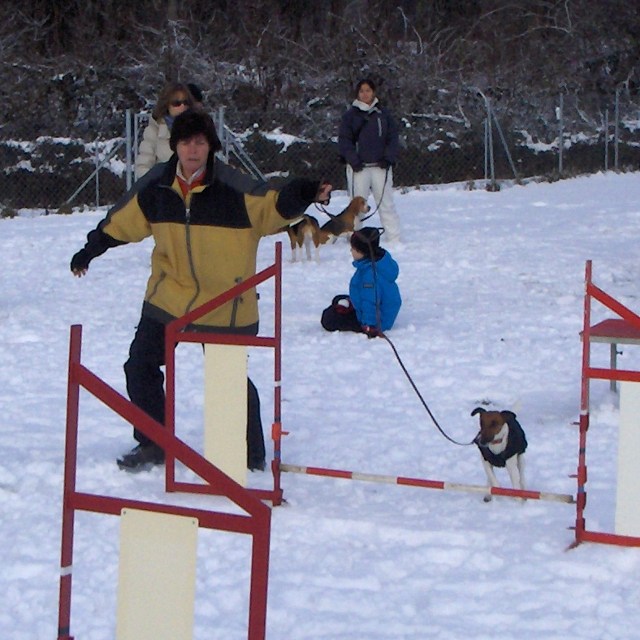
x=478 y=410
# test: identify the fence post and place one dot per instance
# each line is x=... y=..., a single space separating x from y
x=128 y=148
x=136 y=137
x=486 y=149
x=616 y=128
x=560 y=134
x=606 y=139
x=492 y=167
x=221 y=133
x=97 y=162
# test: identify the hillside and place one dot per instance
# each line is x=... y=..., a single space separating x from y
x=71 y=69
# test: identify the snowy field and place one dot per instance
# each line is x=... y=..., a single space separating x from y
x=493 y=292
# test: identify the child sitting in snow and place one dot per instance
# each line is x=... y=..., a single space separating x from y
x=374 y=299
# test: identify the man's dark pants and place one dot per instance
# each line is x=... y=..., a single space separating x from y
x=145 y=386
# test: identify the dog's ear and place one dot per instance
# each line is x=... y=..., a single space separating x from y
x=478 y=410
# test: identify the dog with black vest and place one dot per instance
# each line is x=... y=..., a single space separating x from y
x=502 y=443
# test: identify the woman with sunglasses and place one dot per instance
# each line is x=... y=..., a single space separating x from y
x=173 y=100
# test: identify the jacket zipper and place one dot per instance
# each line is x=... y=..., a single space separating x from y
x=187 y=229
x=236 y=302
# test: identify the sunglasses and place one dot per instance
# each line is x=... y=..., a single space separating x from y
x=179 y=103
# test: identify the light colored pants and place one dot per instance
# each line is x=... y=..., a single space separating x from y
x=379 y=182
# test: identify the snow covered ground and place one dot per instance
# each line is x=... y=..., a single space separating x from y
x=493 y=292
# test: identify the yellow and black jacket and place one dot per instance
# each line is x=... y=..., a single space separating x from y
x=205 y=243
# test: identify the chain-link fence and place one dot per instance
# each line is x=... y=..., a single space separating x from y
x=479 y=147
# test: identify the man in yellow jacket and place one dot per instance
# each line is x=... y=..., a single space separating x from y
x=206 y=220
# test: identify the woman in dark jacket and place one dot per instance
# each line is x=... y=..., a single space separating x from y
x=368 y=142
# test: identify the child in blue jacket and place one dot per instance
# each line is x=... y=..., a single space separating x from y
x=374 y=299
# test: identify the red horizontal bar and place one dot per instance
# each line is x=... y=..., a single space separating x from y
x=429 y=484
x=207 y=489
x=515 y=493
x=610 y=538
x=613 y=374
x=226 y=338
x=207 y=519
x=333 y=473
x=418 y=482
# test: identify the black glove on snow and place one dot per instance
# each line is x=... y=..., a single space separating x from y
x=80 y=261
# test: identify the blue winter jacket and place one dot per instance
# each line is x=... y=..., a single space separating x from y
x=367 y=286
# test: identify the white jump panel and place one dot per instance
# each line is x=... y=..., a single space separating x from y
x=627 y=522
x=157 y=576
x=225 y=409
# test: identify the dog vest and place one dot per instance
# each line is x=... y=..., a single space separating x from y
x=516 y=444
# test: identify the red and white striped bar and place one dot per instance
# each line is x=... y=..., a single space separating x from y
x=428 y=484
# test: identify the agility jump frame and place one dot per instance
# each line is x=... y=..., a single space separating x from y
x=174 y=334
x=582 y=534
x=258 y=521
x=588 y=373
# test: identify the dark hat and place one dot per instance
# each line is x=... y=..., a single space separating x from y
x=367 y=241
x=195 y=91
x=192 y=123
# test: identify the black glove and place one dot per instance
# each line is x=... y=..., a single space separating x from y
x=371 y=332
x=357 y=167
x=80 y=261
x=384 y=164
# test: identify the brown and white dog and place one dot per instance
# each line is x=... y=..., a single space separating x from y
x=303 y=234
x=502 y=443
x=344 y=222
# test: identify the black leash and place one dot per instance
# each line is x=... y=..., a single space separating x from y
x=377 y=207
x=380 y=333
x=424 y=404
x=320 y=206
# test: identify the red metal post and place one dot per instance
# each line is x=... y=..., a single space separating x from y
x=581 y=474
x=276 y=431
x=70 y=458
x=170 y=342
x=259 y=577
x=593 y=292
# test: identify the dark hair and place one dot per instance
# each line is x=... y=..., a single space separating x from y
x=192 y=123
x=365 y=81
x=168 y=91
x=196 y=91
x=367 y=242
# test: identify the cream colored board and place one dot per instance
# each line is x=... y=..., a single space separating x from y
x=627 y=519
x=157 y=576
x=225 y=409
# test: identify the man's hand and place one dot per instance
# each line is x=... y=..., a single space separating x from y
x=324 y=193
x=80 y=263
